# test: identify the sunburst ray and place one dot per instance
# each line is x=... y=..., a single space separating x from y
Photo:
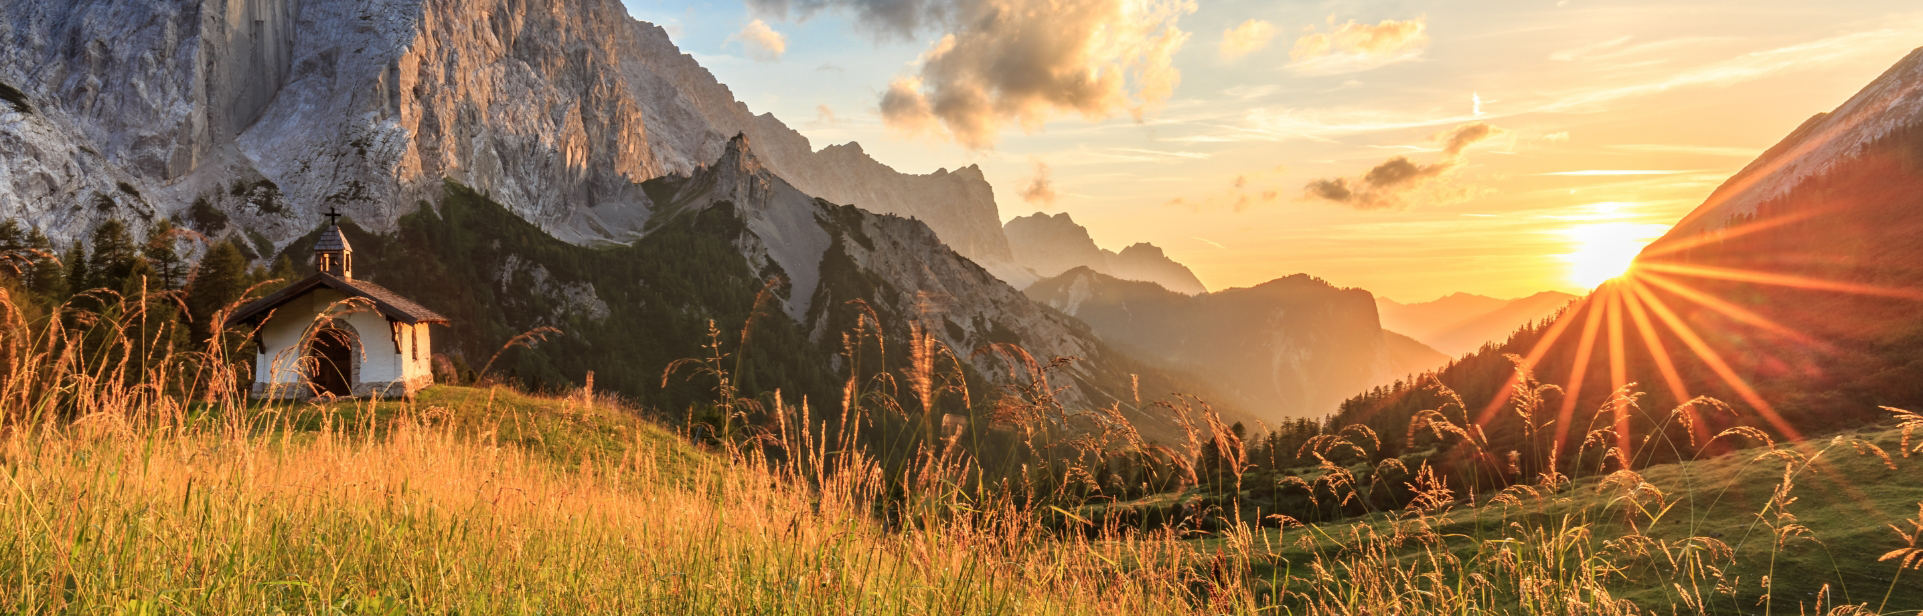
x=1713 y=360
x=1731 y=310
x=1781 y=280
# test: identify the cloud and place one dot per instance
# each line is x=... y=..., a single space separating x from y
x=1562 y=136
x=1041 y=188
x=829 y=67
x=1355 y=47
x=1247 y=38
x=1025 y=62
x=760 y=41
x=1457 y=139
x=883 y=19
x=1610 y=172
x=1397 y=182
x=824 y=116
x=1570 y=55
x=1703 y=150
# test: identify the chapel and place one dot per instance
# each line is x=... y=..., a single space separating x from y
x=332 y=334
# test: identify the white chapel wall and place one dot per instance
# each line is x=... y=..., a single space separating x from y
x=380 y=366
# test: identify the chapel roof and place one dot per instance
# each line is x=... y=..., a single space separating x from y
x=331 y=240
x=388 y=303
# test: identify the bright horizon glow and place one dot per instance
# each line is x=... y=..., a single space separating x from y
x=1604 y=251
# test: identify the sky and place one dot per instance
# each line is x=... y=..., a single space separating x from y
x=1414 y=149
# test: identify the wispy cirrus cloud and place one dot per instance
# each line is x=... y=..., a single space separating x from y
x=1703 y=150
x=1609 y=172
x=1745 y=67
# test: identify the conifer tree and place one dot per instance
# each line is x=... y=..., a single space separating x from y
x=114 y=256
x=47 y=280
x=219 y=281
x=170 y=271
x=78 y=275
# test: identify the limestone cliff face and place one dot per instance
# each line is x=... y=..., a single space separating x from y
x=1052 y=245
x=271 y=110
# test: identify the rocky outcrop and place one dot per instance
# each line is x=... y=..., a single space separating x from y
x=1052 y=245
x=272 y=110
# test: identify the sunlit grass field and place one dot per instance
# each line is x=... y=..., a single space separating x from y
x=476 y=501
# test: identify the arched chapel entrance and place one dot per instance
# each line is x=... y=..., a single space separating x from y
x=330 y=358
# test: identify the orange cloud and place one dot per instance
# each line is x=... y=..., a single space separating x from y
x=1247 y=38
x=1356 y=46
x=760 y=41
x=1040 y=188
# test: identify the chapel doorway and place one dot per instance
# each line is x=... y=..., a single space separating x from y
x=331 y=354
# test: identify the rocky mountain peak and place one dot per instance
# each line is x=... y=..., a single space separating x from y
x=1144 y=251
x=739 y=156
x=557 y=111
x=1893 y=101
x=1051 y=245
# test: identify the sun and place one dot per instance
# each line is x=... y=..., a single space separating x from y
x=1605 y=250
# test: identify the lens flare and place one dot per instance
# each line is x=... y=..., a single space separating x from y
x=1605 y=250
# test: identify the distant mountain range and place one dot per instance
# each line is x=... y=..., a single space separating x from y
x=1290 y=347
x=1463 y=322
x=1051 y=245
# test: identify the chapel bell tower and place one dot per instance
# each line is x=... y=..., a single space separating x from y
x=332 y=255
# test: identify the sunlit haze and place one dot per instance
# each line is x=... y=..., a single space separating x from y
x=1643 y=105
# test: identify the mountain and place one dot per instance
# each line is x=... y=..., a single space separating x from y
x=524 y=165
x=1421 y=319
x=1411 y=356
x=269 y=111
x=1794 y=293
x=1470 y=334
x=722 y=234
x=1291 y=347
x=1462 y=322
x=1887 y=105
x=1048 y=246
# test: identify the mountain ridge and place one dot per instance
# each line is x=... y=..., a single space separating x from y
x=1460 y=323
x=1287 y=348
x=558 y=112
x=1049 y=246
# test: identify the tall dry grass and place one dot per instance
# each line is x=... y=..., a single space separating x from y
x=152 y=485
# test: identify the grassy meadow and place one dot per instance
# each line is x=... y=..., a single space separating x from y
x=134 y=484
